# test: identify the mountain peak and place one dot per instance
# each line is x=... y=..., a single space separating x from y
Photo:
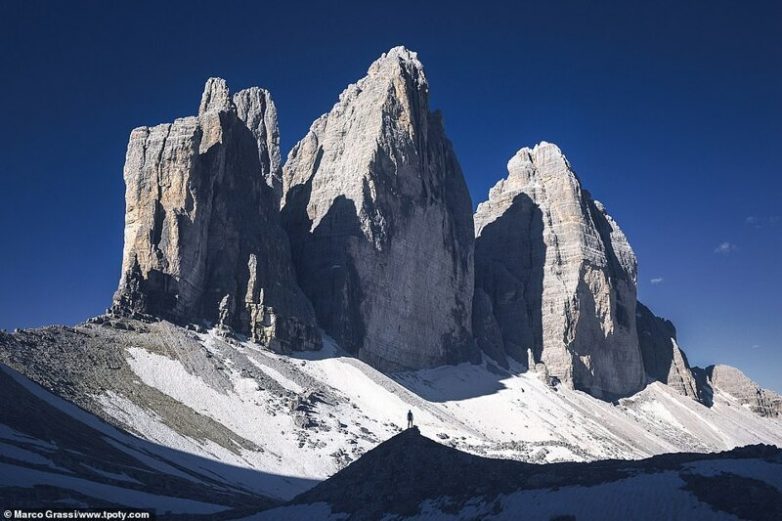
x=548 y=148
x=215 y=97
x=543 y=152
x=372 y=193
x=399 y=61
x=401 y=54
x=543 y=236
x=734 y=382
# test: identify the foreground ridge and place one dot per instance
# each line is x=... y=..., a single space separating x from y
x=412 y=477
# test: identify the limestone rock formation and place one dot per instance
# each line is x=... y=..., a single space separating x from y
x=256 y=108
x=203 y=238
x=380 y=222
x=664 y=361
x=735 y=383
x=559 y=275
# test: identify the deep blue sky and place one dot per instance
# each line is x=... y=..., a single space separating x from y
x=670 y=112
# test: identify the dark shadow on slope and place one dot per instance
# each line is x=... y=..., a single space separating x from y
x=452 y=383
x=509 y=258
x=745 y=498
x=398 y=475
x=64 y=444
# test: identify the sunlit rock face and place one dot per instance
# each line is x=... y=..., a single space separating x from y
x=732 y=381
x=203 y=239
x=556 y=276
x=664 y=361
x=380 y=222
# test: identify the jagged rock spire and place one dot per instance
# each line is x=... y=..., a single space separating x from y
x=256 y=108
x=215 y=97
x=203 y=238
x=554 y=273
x=380 y=222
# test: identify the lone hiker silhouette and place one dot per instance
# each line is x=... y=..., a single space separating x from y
x=409 y=419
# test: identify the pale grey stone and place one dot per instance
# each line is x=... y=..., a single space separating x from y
x=560 y=275
x=202 y=228
x=256 y=108
x=380 y=222
x=735 y=383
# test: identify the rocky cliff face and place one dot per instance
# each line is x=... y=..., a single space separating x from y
x=555 y=274
x=664 y=361
x=380 y=222
x=256 y=108
x=203 y=238
x=735 y=383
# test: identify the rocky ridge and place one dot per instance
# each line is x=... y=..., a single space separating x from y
x=203 y=239
x=412 y=477
x=380 y=222
x=308 y=414
x=735 y=383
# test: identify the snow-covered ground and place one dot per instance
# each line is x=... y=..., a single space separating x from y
x=52 y=452
x=411 y=477
x=326 y=409
x=627 y=499
x=229 y=425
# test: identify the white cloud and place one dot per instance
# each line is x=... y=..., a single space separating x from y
x=756 y=346
x=657 y=280
x=725 y=248
x=761 y=221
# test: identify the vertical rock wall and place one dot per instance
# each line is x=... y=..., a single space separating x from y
x=380 y=222
x=559 y=275
x=203 y=238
